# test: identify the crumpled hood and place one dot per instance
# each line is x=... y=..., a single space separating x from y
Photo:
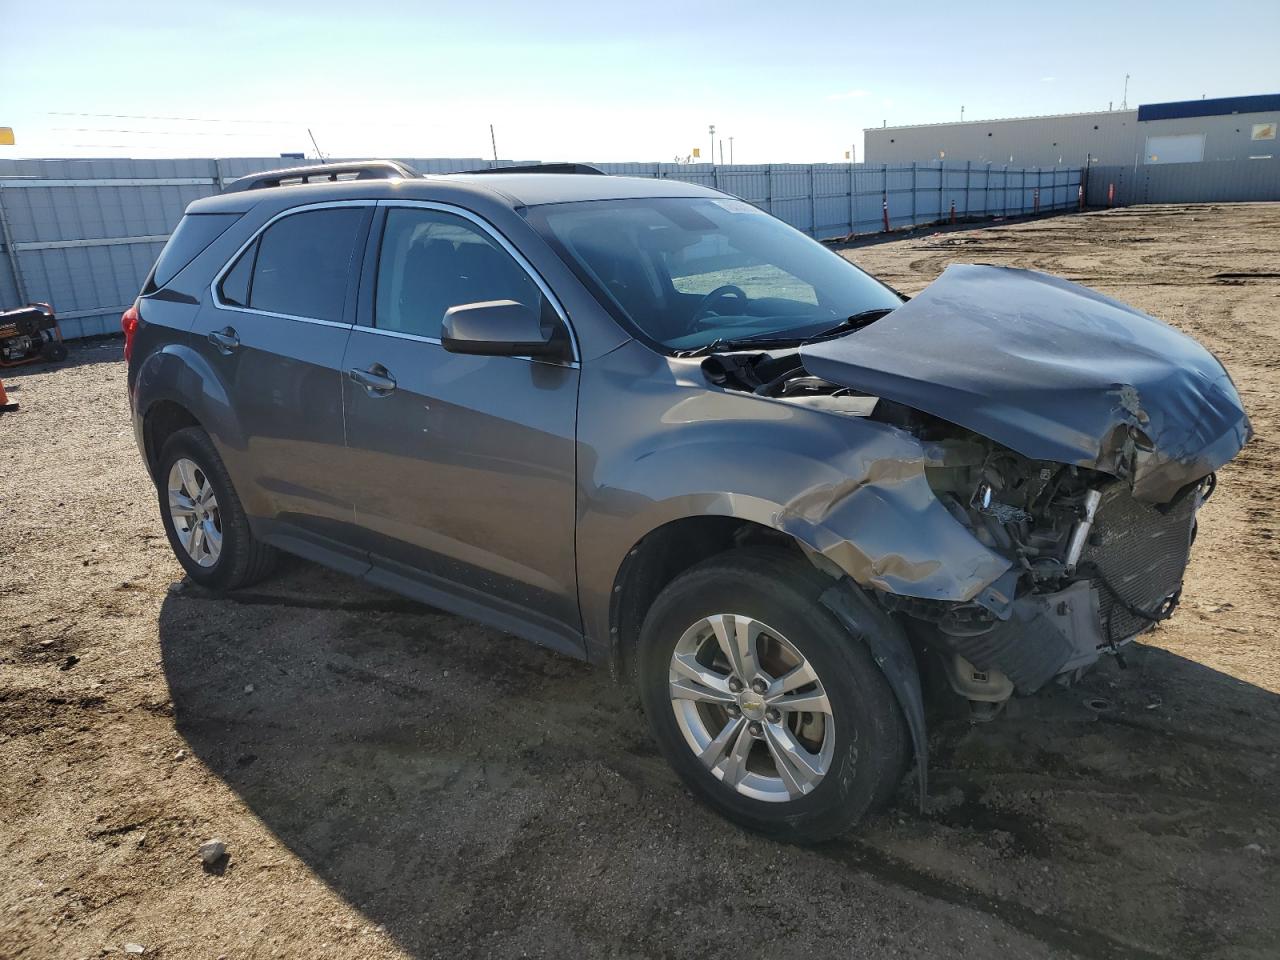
x=1052 y=370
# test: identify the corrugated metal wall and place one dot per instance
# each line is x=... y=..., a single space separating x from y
x=1222 y=181
x=1065 y=140
x=82 y=234
x=1108 y=138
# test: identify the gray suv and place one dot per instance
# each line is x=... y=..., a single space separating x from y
x=645 y=424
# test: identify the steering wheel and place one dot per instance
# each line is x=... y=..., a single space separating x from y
x=714 y=297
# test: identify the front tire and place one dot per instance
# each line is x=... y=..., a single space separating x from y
x=203 y=517
x=763 y=703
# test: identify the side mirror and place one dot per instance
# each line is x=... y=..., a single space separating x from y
x=500 y=328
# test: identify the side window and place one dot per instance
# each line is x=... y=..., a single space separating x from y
x=190 y=238
x=234 y=288
x=303 y=263
x=431 y=261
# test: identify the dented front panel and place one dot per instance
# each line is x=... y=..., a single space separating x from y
x=1052 y=370
x=658 y=443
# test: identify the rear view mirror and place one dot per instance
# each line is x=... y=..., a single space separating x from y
x=500 y=328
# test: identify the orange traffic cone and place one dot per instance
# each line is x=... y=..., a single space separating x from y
x=5 y=405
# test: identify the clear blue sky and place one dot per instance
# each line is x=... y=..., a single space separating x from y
x=790 y=81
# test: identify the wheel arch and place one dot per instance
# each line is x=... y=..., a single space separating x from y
x=664 y=553
x=162 y=420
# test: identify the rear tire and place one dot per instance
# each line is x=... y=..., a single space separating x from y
x=757 y=778
x=203 y=517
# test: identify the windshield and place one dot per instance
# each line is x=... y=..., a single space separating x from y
x=685 y=273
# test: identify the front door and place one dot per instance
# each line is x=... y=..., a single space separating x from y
x=275 y=333
x=466 y=463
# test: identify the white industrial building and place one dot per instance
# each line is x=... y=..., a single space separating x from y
x=1227 y=128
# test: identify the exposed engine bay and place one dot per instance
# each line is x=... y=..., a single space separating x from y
x=1092 y=566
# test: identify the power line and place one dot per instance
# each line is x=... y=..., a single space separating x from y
x=379 y=123
x=165 y=133
x=138 y=116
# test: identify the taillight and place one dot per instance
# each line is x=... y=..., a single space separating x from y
x=129 y=324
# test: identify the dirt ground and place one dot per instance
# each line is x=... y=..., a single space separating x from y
x=394 y=782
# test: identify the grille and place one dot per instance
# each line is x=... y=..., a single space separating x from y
x=1140 y=552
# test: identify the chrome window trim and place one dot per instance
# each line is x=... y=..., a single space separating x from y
x=231 y=261
x=399 y=335
x=286 y=316
x=493 y=233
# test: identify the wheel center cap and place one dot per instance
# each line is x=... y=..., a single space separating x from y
x=752 y=705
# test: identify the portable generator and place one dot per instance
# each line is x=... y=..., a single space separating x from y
x=28 y=334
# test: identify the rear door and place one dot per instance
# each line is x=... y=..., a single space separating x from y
x=466 y=463
x=275 y=333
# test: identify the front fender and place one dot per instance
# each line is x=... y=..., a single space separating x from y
x=849 y=488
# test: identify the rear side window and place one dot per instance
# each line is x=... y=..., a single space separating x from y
x=300 y=265
x=234 y=288
x=193 y=234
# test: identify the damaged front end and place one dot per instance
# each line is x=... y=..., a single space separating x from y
x=1093 y=567
x=1069 y=434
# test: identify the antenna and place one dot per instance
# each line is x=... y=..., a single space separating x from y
x=320 y=156
x=1124 y=101
x=494 y=142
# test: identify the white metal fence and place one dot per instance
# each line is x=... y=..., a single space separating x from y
x=82 y=234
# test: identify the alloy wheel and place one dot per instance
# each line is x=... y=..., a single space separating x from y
x=193 y=508
x=752 y=708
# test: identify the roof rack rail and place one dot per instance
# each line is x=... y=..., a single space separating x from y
x=543 y=168
x=323 y=172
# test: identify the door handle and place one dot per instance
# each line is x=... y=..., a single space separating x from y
x=377 y=380
x=226 y=340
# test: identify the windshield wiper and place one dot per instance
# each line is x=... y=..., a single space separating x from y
x=862 y=318
x=767 y=341
x=725 y=344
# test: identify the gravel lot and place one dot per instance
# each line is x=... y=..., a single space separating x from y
x=394 y=782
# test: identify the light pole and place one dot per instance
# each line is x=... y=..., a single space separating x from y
x=731 y=151
x=712 y=131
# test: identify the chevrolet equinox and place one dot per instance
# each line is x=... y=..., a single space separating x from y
x=644 y=423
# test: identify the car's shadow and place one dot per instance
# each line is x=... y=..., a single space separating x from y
x=461 y=787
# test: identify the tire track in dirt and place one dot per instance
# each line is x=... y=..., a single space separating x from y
x=1070 y=938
